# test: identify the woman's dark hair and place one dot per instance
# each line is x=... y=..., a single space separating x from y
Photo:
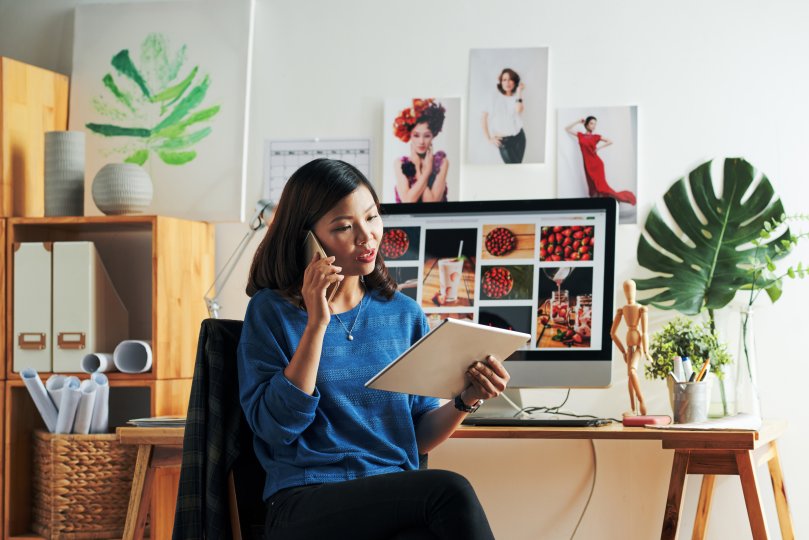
x=587 y=120
x=511 y=75
x=310 y=193
x=434 y=116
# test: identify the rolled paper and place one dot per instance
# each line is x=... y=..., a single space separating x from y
x=97 y=362
x=54 y=386
x=67 y=408
x=40 y=396
x=133 y=356
x=84 y=412
x=101 y=408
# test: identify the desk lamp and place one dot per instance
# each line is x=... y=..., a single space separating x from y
x=262 y=215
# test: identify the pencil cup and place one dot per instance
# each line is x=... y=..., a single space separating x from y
x=690 y=400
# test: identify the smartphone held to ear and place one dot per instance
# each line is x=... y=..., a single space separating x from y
x=312 y=247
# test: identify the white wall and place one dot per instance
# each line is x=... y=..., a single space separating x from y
x=711 y=79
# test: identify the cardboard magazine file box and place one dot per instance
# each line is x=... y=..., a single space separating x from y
x=32 y=306
x=88 y=314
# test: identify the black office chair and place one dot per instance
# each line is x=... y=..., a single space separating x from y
x=221 y=481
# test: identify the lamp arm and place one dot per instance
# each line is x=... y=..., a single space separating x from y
x=257 y=222
x=224 y=274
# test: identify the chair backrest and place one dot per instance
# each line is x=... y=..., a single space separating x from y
x=221 y=475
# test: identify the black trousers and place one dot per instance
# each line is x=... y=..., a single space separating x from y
x=423 y=504
x=512 y=148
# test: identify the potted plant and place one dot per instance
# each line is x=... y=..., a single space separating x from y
x=684 y=337
x=703 y=251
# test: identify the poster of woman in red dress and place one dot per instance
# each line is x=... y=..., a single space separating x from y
x=587 y=169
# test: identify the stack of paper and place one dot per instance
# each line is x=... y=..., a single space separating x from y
x=159 y=421
x=739 y=422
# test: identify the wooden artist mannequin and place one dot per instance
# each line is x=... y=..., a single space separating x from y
x=637 y=342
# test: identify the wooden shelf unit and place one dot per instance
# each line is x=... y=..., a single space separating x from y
x=161 y=268
x=4 y=267
x=32 y=101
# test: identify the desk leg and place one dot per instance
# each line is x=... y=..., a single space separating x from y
x=703 y=507
x=780 y=492
x=140 y=495
x=752 y=497
x=671 y=516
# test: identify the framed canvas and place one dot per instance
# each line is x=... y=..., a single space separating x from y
x=165 y=85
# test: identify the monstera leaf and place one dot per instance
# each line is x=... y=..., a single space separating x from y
x=708 y=259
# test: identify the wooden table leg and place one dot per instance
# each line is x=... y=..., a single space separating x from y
x=140 y=495
x=703 y=507
x=671 y=516
x=752 y=497
x=780 y=492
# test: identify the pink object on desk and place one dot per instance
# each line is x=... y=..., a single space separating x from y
x=646 y=419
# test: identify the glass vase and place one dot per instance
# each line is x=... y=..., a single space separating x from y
x=747 y=396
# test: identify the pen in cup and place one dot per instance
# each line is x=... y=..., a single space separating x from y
x=704 y=371
x=688 y=370
x=677 y=369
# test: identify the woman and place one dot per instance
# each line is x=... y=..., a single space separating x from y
x=421 y=176
x=593 y=165
x=502 y=122
x=341 y=459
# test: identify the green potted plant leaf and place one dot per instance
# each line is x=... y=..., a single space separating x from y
x=701 y=260
x=684 y=337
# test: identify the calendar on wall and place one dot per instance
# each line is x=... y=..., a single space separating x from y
x=284 y=157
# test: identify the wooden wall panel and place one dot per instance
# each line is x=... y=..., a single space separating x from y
x=32 y=101
x=184 y=269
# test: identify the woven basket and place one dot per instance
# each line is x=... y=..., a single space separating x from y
x=81 y=485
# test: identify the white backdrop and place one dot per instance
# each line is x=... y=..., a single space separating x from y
x=711 y=79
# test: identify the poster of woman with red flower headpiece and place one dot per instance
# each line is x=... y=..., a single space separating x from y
x=421 y=150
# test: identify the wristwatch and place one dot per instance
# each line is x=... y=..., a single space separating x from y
x=461 y=406
x=519 y=100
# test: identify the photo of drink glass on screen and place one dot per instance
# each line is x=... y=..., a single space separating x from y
x=449 y=268
x=312 y=247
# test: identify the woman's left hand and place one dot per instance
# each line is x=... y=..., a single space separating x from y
x=487 y=380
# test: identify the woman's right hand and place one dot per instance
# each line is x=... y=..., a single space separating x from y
x=318 y=276
x=427 y=164
x=497 y=141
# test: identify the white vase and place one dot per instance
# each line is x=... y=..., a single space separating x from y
x=64 y=173
x=122 y=188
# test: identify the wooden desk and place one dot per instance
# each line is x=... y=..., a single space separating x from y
x=157 y=448
x=695 y=452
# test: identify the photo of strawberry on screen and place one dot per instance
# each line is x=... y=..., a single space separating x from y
x=567 y=243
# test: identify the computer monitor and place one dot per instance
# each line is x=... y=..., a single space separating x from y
x=543 y=267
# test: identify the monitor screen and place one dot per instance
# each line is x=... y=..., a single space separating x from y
x=543 y=267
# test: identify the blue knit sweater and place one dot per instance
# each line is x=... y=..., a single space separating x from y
x=344 y=430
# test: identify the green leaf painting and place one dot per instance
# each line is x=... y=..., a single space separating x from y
x=704 y=256
x=155 y=106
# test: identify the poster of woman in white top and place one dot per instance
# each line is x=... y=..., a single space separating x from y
x=508 y=95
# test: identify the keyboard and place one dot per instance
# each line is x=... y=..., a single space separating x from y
x=472 y=420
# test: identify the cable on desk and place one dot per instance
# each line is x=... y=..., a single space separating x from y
x=592 y=489
x=556 y=410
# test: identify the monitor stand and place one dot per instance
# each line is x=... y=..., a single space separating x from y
x=499 y=406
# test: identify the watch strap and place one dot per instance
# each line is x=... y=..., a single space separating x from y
x=461 y=406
